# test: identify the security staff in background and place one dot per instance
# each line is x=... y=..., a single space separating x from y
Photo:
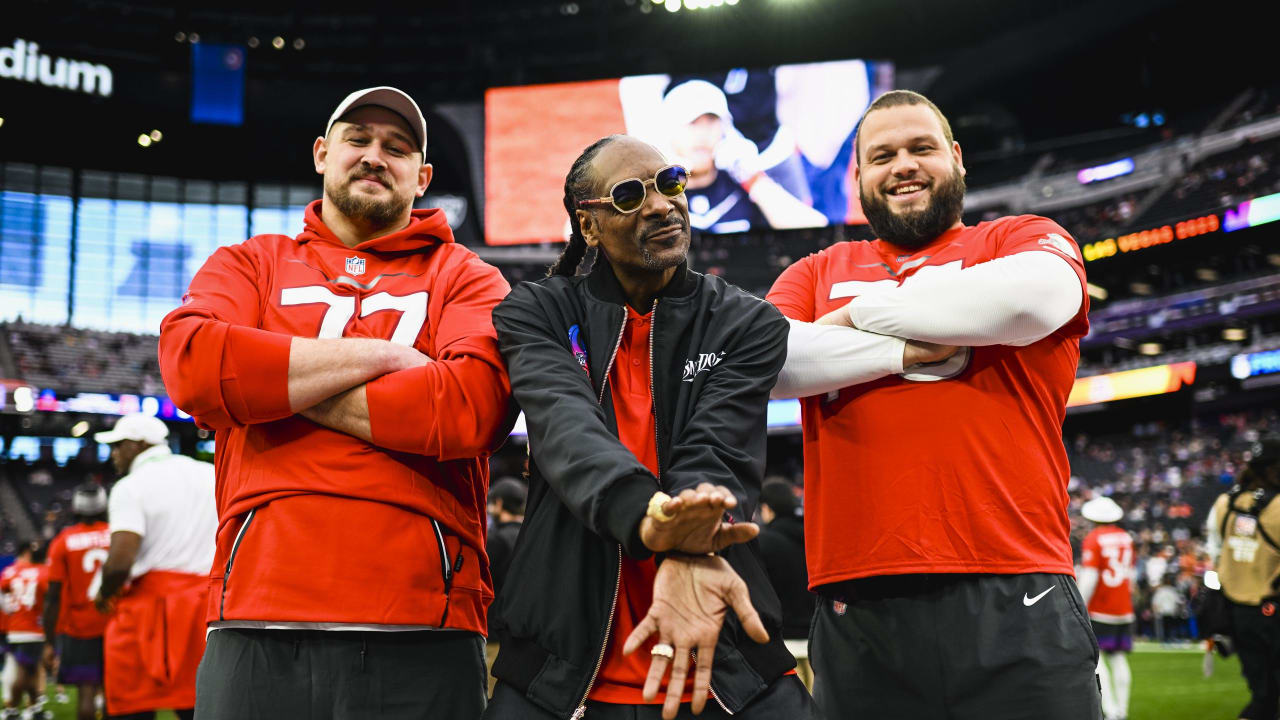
x=1245 y=524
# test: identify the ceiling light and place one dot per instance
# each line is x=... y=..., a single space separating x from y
x=299 y=43
x=277 y=42
x=1206 y=274
x=79 y=428
x=1234 y=334
x=673 y=5
x=144 y=140
x=1097 y=292
x=1140 y=288
x=156 y=136
x=193 y=38
x=253 y=42
x=1150 y=348
x=180 y=36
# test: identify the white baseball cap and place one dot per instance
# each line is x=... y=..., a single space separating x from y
x=1102 y=509
x=135 y=426
x=690 y=100
x=397 y=101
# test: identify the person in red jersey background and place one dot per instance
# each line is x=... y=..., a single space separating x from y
x=1106 y=584
x=75 y=566
x=354 y=379
x=22 y=589
x=935 y=494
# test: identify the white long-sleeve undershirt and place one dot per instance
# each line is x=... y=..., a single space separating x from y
x=1087 y=580
x=1012 y=300
x=823 y=358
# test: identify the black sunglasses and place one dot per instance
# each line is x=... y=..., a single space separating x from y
x=626 y=196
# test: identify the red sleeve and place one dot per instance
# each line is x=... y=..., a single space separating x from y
x=1026 y=233
x=216 y=364
x=457 y=406
x=1089 y=555
x=792 y=292
x=58 y=559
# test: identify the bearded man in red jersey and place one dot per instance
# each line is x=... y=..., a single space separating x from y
x=936 y=522
x=353 y=376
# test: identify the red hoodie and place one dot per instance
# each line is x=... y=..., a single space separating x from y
x=315 y=525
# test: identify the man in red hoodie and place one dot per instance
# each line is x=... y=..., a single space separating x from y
x=354 y=379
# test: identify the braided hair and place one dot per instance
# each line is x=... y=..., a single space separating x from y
x=577 y=186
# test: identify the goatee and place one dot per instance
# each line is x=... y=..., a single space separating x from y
x=376 y=213
x=915 y=229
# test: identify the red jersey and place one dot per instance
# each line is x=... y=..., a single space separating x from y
x=621 y=678
x=75 y=560
x=1109 y=550
x=345 y=531
x=955 y=468
x=23 y=585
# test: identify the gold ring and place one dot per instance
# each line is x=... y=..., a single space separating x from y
x=655 y=510
x=664 y=650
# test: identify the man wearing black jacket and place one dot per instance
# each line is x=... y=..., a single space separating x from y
x=644 y=386
x=782 y=547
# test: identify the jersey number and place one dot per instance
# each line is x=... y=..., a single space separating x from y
x=91 y=563
x=341 y=308
x=24 y=592
x=1119 y=558
x=945 y=370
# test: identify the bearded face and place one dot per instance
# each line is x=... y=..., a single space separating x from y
x=356 y=197
x=914 y=227
x=910 y=175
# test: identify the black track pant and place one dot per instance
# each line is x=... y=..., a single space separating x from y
x=341 y=675
x=955 y=647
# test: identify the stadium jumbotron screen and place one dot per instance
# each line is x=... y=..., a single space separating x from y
x=784 y=133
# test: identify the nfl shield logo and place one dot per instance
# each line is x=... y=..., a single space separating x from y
x=355 y=266
x=839 y=606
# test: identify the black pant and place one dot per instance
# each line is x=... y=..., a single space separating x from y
x=786 y=699
x=341 y=675
x=1257 y=639
x=954 y=647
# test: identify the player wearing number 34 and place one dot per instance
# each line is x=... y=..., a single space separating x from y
x=936 y=493
x=353 y=376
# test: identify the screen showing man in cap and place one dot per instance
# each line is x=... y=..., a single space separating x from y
x=155 y=576
x=353 y=376
x=728 y=189
x=1106 y=584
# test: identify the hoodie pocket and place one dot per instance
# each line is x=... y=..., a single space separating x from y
x=231 y=560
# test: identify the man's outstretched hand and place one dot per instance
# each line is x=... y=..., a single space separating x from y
x=698 y=524
x=690 y=597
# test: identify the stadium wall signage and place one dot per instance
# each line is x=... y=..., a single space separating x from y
x=1251 y=213
x=23 y=61
x=1247 y=365
x=1151 y=237
x=1142 y=382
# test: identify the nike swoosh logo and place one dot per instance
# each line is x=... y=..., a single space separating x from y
x=1029 y=601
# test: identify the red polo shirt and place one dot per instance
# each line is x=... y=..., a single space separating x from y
x=621 y=678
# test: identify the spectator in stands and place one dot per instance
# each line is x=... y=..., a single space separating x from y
x=1243 y=528
x=75 y=558
x=1167 y=608
x=354 y=379
x=506 y=513
x=156 y=573
x=782 y=547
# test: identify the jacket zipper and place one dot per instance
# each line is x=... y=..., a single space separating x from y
x=226 y=575
x=653 y=323
x=581 y=710
x=446 y=568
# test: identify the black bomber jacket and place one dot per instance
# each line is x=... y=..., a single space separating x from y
x=716 y=352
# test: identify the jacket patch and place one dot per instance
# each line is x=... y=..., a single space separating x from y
x=355 y=266
x=704 y=361
x=578 y=353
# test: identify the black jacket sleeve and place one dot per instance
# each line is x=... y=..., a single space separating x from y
x=724 y=440
x=596 y=477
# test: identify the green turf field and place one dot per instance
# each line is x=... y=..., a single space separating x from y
x=1168 y=684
